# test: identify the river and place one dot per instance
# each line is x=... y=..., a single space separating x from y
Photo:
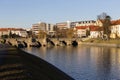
x=83 y=62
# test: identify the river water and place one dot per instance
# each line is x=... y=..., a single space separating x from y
x=83 y=62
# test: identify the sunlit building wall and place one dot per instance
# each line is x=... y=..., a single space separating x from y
x=63 y=25
x=38 y=26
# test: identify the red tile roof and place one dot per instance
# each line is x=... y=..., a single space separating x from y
x=115 y=22
x=14 y=29
x=81 y=27
x=91 y=27
x=97 y=29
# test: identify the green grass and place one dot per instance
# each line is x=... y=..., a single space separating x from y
x=110 y=41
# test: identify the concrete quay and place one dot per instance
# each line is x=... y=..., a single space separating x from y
x=16 y=64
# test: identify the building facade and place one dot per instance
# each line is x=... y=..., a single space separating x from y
x=64 y=25
x=115 y=29
x=85 y=23
x=4 y=31
x=49 y=29
x=81 y=31
x=96 y=32
x=18 y=31
x=38 y=26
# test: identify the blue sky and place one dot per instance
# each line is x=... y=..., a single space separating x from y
x=24 y=13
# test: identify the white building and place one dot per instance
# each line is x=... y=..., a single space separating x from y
x=50 y=29
x=81 y=31
x=63 y=25
x=18 y=31
x=96 y=32
x=115 y=29
x=86 y=23
x=4 y=31
x=99 y=23
x=38 y=26
x=46 y=27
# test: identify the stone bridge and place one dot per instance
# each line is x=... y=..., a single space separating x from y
x=42 y=41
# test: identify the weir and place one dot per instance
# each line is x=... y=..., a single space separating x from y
x=16 y=64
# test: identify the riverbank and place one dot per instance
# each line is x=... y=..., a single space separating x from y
x=80 y=41
x=17 y=64
x=99 y=42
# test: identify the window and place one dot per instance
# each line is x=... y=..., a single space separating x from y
x=49 y=27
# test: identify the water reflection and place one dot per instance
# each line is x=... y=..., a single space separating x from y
x=83 y=62
x=103 y=64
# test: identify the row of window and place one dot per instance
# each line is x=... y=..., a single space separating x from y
x=83 y=22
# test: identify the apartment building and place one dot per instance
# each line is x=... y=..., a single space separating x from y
x=46 y=27
x=63 y=25
x=38 y=26
x=50 y=29
x=85 y=23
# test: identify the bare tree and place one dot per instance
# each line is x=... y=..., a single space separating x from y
x=106 y=20
x=102 y=16
x=106 y=26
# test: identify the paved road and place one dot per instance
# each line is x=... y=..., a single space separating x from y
x=19 y=65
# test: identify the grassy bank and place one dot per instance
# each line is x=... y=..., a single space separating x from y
x=110 y=41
